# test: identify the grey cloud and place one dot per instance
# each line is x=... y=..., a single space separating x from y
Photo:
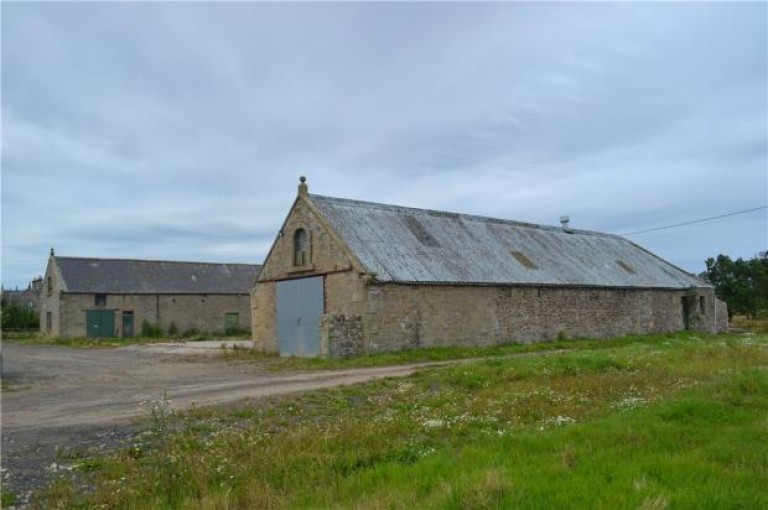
x=190 y=122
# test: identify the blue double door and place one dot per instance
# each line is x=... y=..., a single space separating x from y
x=300 y=304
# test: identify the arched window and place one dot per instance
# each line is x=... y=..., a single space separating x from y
x=300 y=246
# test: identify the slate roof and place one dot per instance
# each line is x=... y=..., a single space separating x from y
x=119 y=276
x=406 y=245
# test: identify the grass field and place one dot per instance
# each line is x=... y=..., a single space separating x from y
x=755 y=325
x=677 y=421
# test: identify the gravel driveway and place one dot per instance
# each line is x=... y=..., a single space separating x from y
x=67 y=398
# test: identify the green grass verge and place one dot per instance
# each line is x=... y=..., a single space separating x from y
x=674 y=422
x=437 y=354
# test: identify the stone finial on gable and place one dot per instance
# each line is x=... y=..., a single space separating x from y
x=303 y=188
x=52 y=253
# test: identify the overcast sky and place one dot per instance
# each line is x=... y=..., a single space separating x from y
x=178 y=131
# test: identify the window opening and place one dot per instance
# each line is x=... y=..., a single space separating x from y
x=100 y=300
x=300 y=247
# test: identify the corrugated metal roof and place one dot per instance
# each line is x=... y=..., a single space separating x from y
x=401 y=244
x=119 y=276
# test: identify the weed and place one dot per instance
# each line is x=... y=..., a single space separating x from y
x=151 y=330
x=7 y=499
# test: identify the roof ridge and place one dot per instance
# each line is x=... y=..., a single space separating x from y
x=474 y=217
x=154 y=260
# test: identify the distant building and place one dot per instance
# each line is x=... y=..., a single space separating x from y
x=28 y=298
x=346 y=277
x=89 y=297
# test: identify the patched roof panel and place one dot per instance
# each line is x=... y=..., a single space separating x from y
x=119 y=276
x=401 y=244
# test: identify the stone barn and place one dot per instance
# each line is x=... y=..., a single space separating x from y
x=89 y=297
x=346 y=277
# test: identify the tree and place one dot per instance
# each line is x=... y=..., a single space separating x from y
x=17 y=316
x=743 y=284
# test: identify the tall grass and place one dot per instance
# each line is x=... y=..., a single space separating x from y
x=440 y=353
x=674 y=422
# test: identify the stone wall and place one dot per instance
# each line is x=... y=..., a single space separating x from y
x=344 y=286
x=406 y=316
x=721 y=316
x=343 y=334
x=324 y=254
x=49 y=300
x=203 y=313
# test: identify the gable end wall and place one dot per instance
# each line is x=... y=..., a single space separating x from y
x=327 y=258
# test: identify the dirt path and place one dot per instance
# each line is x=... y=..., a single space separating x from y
x=55 y=386
x=84 y=398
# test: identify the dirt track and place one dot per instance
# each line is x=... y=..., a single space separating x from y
x=83 y=398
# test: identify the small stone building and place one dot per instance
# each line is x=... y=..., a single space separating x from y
x=88 y=297
x=346 y=277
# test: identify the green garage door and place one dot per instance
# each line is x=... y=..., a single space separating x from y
x=100 y=323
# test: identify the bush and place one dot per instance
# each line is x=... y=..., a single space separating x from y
x=191 y=332
x=237 y=332
x=16 y=316
x=151 y=330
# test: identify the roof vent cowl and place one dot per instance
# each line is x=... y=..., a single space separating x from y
x=565 y=222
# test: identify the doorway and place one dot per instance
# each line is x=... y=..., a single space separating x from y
x=300 y=304
x=100 y=323
x=127 y=324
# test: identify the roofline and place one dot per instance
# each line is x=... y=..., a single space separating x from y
x=57 y=257
x=692 y=275
x=547 y=285
x=342 y=243
x=307 y=199
x=279 y=234
x=475 y=217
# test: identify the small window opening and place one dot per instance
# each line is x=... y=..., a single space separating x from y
x=525 y=261
x=50 y=286
x=300 y=247
x=100 y=300
x=48 y=321
x=702 y=305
